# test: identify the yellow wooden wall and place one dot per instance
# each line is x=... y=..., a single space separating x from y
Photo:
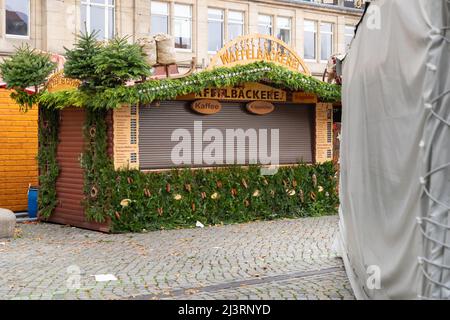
x=18 y=151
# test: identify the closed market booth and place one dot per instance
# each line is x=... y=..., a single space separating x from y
x=116 y=164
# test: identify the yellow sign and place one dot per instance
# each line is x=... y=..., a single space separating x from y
x=207 y=106
x=303 y=97
x=58 y=82
x=249 y=91
x=259 y=47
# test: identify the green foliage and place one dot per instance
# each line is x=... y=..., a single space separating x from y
x=98 y=167
x=105 y=65
x=80 y=60
x=24 y=99
x=220 y=77
x=48 y=165
x=179 y=198
x=26 y=68
x=118 y=62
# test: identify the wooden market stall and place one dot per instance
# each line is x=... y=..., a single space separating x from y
x=18 y=152
x=142 y=137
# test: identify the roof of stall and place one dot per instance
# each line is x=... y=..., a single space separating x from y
x=168 y=89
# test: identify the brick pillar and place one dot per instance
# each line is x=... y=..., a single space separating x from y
x=324 y=132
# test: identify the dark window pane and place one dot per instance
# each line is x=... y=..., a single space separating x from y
x=17 y=17
x=284 y=35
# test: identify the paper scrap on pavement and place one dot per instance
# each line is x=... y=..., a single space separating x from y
x=105 y=277
x=199 y=224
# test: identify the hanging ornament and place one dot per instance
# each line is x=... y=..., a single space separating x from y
x=94 y=192
x=92 y=131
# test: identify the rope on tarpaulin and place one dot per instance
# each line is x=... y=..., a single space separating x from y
x=423 y=222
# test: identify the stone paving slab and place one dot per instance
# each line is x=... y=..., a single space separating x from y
x=284 y=259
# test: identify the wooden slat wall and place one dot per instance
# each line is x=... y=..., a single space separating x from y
x=18 y=151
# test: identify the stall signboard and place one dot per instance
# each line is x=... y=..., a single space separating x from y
x=206 y=106
x=259 y=47
x=260 y=107
x=252 y=91
x=304 y=97
x=126 y=137
x=57 y=82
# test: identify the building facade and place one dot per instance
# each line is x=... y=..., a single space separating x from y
x=315 y=29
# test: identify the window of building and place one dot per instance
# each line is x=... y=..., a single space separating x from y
x=310 y=28
x=350 y=3
x=159 y=17
x=284 y=29
x=182 y=23
x=215 y=29
x=265 y=24
x=17 y=16
x=349 y=33
x=98 y=15
x=235 y=24
x=326 y=40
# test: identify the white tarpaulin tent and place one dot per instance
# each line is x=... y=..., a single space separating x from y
x=395 y=152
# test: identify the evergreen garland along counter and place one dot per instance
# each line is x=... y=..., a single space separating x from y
x=123 y=187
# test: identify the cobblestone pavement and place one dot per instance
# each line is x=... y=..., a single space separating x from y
x=287 y=259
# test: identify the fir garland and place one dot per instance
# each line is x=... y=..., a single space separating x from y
x=180 y=198
x=97 y=165
x=149 y=91
x=48 y=165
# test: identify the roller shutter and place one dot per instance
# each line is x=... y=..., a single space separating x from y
x=156 y=124
x=70 y=182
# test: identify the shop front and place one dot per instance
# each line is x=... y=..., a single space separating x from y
x=219 y=128
x=149 y=136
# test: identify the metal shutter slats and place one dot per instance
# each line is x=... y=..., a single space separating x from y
x=156 y=125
